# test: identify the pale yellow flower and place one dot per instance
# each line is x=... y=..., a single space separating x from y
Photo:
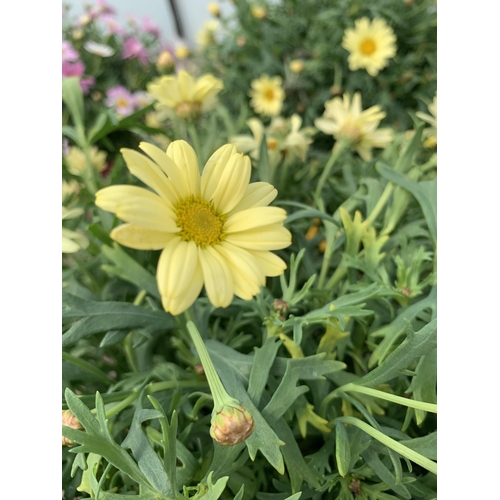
x=186 y=95
x=72 y=241
x=284 y=139
x=296 y=66
x=430 y=133
x=370 y=44
x=259 y=12
x=165 y=61
x=69 y=188
x=214 y=229
x=267 y=95
x=206 y=35
x=346 y=120
x=75 y=160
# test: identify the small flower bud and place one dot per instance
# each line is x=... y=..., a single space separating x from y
x=69 y=420
x=335 y=90
x=213 y=8
x=182 y=52
x=296 y=66
x=259 y=12
x=165 y=61
x=231 y=425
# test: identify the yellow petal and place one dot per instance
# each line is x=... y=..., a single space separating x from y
x=253 y=218
x=108 y=198
x=213 y=170
x=217 y=277
x=140 y=238
x=184 y=157
x=272 y=237
x=269 y=263
x=257 y=194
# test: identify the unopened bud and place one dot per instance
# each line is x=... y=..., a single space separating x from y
x=296 y=66
x=182 y=52
x=213 y=8
x=231 y=425
x=280 y=305
x=69 y=420
x=165 y=61
x=259 y=12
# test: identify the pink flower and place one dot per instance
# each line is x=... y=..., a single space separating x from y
x=73 y=69
x=102 y=8
x=133 y=47
x=69 y=54
x=149 y=27
x=87 y=83
x=121 y=99
x=112 y=25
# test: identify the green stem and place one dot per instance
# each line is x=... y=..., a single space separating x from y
x=221 y=397
x=193 y=134
x=337 y=150
x=384 y=198
x=127 y=341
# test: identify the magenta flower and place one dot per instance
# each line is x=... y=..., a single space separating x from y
x=73 y=69
x=133 y=47
x=104 y=8
x=149 y=27
x=112 y=26
x=121 y=99
x=69 y=54
x=86 y=84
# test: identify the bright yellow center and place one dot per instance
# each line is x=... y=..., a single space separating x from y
x=269 y=94
x=367 y=46
x=198 y=222
x=121 y=102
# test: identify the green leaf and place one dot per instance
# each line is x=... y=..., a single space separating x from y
x=72 y=96
x=425 y=193
x=97 y=317
x=130 y=270
x=424 y=383
x=263 y=167
x=391 y=332
x=426 y=445
x=97 y=439
x=342 y=449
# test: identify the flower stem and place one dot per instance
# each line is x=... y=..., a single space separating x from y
x=380 y=203
x=337 y=150
x=193 y=134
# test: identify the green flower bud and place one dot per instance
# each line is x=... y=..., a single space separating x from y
x=231 y=425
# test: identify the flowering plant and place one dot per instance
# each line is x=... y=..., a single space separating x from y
x=249 y=262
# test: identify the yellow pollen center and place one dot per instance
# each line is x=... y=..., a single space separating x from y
x=350 y=132
x=199 y=222
x=272 y=143
x=367 y=46
x=188 y=109
x=269 y=94
x=121 y=102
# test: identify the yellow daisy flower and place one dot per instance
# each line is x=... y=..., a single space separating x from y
x=75 y=160
x=214 y=229
x=345 y=120
x=186 y=95
x=267 y=95
x=430 y=133
x=370 y=44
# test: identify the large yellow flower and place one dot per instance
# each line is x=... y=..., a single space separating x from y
x=267 y=95
x=186 y=95
x=430 y=133
x=346 y=120
x=370 y=44
x=214 y=229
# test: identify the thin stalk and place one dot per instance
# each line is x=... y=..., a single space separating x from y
x=384 y=198
x=193 y=134
x=337 y=150
x=127 y=341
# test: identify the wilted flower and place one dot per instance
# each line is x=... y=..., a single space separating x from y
x=69 y=420
x=231 y=425
x=296 y=66
x=346 y=120
x=121 y=99
x=186 y=95
x=214 y=230
x=370 y=44
x=133 y=48
x=72 y=241
x=99 y=49
x=69 y=54
x=430 y=133
x=267 y=95
x=76 y=163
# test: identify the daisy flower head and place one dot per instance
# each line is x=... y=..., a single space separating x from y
x=267 y=95
x=345 y=120
x=98 y=49
x=133 y=48
x=430 y=133
x=371 y=44
x=186 y=95
x=121 y=99
x=215 y=229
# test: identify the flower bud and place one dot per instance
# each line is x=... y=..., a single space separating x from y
x=213 y=8
x=296 y=66
x=231 y=425
x=259 y=12
x=165 y=61
x=182 y=52
x=69 y=420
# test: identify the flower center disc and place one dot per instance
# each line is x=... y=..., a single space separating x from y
x=367 y=47
x=269 y=94
x=199 y=222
